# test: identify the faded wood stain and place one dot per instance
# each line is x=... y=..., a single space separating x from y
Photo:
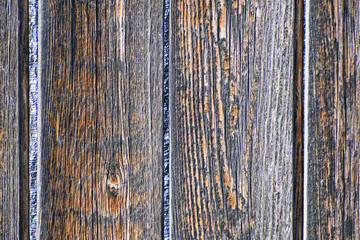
x=231 y=108
x=101 y=125
x=236 y=120
x=334 y=115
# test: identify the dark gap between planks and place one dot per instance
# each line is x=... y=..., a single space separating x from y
x=166 y=149
x=33 y=102
x=299 y=43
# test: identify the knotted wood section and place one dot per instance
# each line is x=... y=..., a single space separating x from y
x=101 y=120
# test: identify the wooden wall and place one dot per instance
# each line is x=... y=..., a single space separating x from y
x=237 y=111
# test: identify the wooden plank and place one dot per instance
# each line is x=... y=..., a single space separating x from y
x=334 y=120
x=231 y=112
x=14 y=119
x=100 y=148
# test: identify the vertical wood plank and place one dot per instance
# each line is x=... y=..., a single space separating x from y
x=232 y=118
x=334 y=114
x=101 y=162
x=14 y=119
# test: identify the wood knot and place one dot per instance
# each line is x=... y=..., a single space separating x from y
x=113 y=185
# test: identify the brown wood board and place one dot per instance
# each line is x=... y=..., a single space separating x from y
x=232 y=119
x=334 y=114
x=100 y=120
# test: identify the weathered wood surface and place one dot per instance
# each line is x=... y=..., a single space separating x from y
x=334 y=120
x=14 y=117
x=101 y=120
x=232 y=117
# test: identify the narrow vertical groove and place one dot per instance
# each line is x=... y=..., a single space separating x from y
x=298 y=118
x=306 y=109
x=96 y=88
x=23 y=108
x=166 y=119
x=33 y=100
x=39 y=115
x=170 y=139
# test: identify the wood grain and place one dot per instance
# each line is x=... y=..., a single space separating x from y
x=101 y=168
x=334 y=120
x=232 y=118
x=14 y=120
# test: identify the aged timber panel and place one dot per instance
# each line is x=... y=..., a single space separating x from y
x=101 y=120
x=231 y=113
x=14 y=119
x=334 y=120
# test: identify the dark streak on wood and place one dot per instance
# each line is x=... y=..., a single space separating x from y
x=298 y=119
x=101 y=120
x=14 y=120
x=334 y=114
x=231 y=112
x=24 y=118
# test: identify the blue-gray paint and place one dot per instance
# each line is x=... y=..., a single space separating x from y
x=166 y=118
x=33 y=94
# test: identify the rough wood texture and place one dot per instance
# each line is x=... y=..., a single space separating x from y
x=334 y=120
x=14 y=117
x=231 y=112
x=101 y=120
